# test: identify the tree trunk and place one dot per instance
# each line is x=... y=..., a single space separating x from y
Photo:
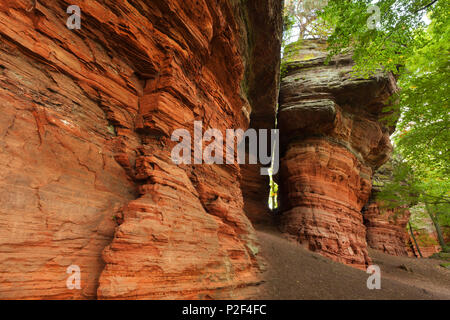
x=414 y=238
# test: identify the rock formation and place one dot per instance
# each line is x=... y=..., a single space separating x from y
x=332 y=141
x=428 y=243
x=427 y=239
x=386 y=228
x=86 y=177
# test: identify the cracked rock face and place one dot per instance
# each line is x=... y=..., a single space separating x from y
x=332 y=140
x=86 y=177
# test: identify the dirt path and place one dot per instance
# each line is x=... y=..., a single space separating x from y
x=295 y=273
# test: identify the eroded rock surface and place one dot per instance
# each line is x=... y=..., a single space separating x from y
x=86 y=176
x=332 y=141
x=386 y=228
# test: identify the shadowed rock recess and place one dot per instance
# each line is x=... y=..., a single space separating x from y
x=85 y=171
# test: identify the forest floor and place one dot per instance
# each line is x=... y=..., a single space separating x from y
x=295 y=273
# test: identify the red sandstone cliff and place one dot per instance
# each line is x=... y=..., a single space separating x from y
x=332 y=141
x=85 y=171
x=386 y=228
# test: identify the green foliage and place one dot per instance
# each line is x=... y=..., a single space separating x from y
x=400 y=42
x=302 y=16
x=301 y=21
x=423 y=132
x=397 y=35
x=289 y=53
x=407 y=188
x=427 y=194
x=424 y=239
x=288 y=23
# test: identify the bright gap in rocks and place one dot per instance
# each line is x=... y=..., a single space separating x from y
x=273 y=196
x=273 y=186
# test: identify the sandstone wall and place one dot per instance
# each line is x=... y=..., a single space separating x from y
x=85 y=171
x=427 y=240
x=386 y=228
x=332 y=140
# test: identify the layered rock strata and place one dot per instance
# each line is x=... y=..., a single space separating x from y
x=332 y=141
x=386 y=228
x=86 y=176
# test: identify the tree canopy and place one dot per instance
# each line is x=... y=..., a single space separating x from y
x=410 y=38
